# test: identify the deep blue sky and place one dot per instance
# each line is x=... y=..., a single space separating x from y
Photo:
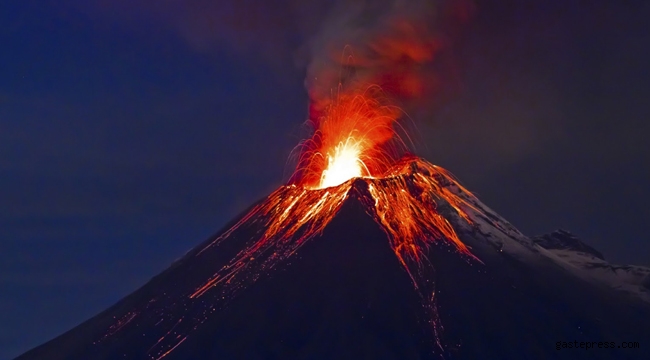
x=125 y=140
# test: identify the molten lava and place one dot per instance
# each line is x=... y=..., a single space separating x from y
x=404 y=202
x=354 y=139
x=343 y=164
x=354 y=152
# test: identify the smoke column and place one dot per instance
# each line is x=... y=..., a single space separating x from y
x=402 y=46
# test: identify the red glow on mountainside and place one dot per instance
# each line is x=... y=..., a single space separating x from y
x=353 y=142
x=404 y=201
x=353 y=153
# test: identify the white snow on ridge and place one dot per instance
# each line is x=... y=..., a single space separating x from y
x=562 y=247
x=631 y=279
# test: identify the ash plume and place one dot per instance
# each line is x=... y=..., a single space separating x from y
x=402 y=46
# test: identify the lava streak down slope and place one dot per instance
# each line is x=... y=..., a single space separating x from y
x=342 y=293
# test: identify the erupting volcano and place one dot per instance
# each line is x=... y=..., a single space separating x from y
x=354 y=143
x=355 y=139
x=367 y=252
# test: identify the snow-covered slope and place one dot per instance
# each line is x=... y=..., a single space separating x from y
x=567 y=250
x=561 y=246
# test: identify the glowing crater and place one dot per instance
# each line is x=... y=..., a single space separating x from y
x=343 y=164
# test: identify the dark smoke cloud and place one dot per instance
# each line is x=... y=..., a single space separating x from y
x=469 y=75
x=412 y=48
x=402 y=45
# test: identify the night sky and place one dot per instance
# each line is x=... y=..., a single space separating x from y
x=130 y=131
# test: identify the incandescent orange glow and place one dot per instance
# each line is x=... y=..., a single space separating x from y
x=343 y=164
x=354 y=154
x=355 y=139
x=404 y=201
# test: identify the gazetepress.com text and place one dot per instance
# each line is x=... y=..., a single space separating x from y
x=560 y=345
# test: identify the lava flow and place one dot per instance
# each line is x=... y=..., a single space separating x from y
x=355 y=139
x=354 y=152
